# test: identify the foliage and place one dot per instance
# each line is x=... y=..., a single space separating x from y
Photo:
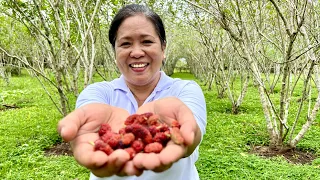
x=27 y=131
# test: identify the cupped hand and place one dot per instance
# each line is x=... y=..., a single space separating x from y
x=170 y=109
x=81 y=127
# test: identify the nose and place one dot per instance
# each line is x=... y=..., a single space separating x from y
x=137 y=52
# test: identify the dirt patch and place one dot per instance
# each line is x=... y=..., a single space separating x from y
x=59 y=149
x=293 y=156
x=5 y=107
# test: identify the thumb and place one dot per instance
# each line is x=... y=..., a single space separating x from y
x=69 y=126
x=189 y=128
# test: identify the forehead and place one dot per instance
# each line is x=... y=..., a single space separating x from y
x=136 y=24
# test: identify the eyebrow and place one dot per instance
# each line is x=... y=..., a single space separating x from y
x=142 y=36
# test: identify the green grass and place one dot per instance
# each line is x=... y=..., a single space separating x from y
x=183 y=76
x=26 y=132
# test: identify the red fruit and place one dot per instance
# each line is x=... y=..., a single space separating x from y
x=163 y=127
x=105 y=137
x=122 y=131
x=147 y=114
x=141 y=120
x=114 y=143
x=175 y=123
x=137 y=145
x=108 y=150
x=102 y=146
x=99 y=144
x=104 y=128
x=162 y=138
x=131 y=152
x=140 y=131
x=131 y=119
x=153 y=130
x=143 y=132
x=127 y=138
x=153 y=148
x=154 y=120
x=176 y=136
x=112 y=139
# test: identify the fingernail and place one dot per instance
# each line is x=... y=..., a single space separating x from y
x=62 y=131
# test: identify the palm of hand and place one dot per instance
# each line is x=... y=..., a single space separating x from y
x=169 y=109
x=81 y=127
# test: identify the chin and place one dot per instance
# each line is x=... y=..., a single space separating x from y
x=140 y=82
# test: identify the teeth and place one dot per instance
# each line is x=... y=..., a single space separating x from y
x=138 y=65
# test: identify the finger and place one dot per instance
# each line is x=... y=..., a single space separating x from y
x=172 y=153
x=118 y=158
x=141 y=162
x=130 y=170
x=138 y=159
x=148 y=107
x=68 y=127
x=84 y=153
x=162 y=168
x=148 y=161
x=188 y=131
x=116 y=162
x=151 y=161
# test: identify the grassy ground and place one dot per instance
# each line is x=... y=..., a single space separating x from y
x=27 y=131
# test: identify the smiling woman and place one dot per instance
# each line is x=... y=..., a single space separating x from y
x=137 y=35
x=139 y=54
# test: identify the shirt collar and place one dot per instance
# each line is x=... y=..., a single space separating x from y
x=164 y=83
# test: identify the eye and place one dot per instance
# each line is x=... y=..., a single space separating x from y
x=125 y=44
x=147 y=42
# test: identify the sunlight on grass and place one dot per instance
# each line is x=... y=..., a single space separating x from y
x=26 y=131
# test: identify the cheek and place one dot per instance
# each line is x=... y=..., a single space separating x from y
x=119 y=57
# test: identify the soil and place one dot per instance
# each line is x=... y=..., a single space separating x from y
x=59 y=149
x=5 y=107
x=293 y=156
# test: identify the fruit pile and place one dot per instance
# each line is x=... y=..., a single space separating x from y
x=141 y=133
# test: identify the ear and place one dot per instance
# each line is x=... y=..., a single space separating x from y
x=164 y=50
x=163 y=46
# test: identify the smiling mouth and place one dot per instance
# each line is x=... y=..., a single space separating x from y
x=139 y=65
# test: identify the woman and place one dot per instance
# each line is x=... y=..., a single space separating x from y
x=138 y=37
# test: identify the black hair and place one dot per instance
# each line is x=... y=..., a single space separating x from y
x=132 y=10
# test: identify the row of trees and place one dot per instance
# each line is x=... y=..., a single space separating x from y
x=273 y=43
x=64 y=43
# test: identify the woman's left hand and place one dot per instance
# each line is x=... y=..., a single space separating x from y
x=170 y=109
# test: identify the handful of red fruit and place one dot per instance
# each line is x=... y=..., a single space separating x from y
x=142 y=133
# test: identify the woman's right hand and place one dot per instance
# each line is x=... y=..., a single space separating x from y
x=80 y=128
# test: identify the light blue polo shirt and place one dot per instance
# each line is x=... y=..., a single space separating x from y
x=116 y=93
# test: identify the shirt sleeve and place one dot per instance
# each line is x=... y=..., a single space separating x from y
x=192 y=95
x=94 y=93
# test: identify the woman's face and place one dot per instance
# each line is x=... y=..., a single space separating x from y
x=138 y=50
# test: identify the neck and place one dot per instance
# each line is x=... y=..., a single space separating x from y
x=141 y=93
